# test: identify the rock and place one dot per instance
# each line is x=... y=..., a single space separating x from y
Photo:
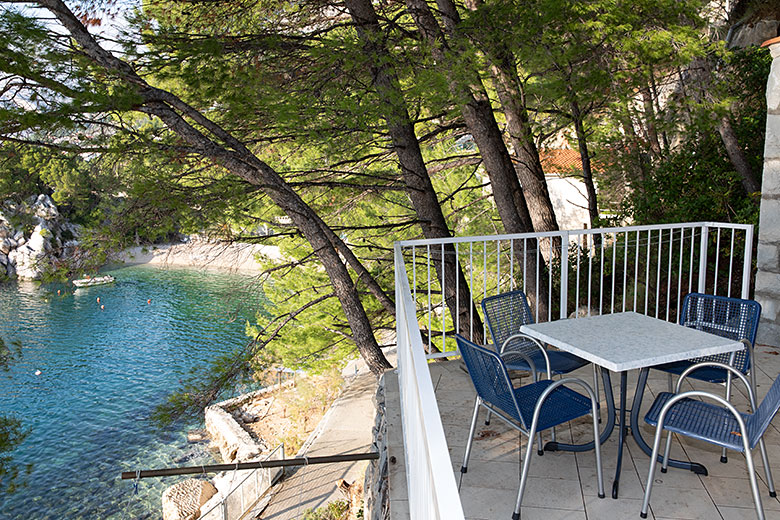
x=19 y=237
x=29 y=261
x=248 y=418
x=6 y=245
x=3 y=262
x=44 y=208
x=582 y=312
x=197 y=436
x=6 y=230
x=182 y=501
x=227 y=435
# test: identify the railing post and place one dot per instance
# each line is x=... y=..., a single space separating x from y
x=564 y=274
x=703 y=258
x=747 y=265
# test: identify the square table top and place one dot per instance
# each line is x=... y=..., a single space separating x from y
x=628 y=340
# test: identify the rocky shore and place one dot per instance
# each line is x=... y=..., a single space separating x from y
x=34 y=235
x=31 y=235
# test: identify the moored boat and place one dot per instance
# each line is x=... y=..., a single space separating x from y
x=97 y=280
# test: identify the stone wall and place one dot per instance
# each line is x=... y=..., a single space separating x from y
x=768 y=258
x=375 y=496
x=235 y=445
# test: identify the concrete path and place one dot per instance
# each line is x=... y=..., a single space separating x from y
x=346 y=428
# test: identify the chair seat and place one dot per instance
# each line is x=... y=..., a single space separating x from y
x=560 y=362
x=708 y=374
x=561 y=406
x=700 y=420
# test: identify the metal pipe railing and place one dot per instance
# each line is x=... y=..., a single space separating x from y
x=238 y=466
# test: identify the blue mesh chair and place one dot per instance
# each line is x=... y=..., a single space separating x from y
x=720 y=425
x=530 y=408
x=505 y=313
x=731 y=318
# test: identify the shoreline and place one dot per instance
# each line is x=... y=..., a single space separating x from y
x=197 y=252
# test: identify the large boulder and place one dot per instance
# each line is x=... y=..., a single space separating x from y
x=44 y=208
x=182 y=501
x=40 y=240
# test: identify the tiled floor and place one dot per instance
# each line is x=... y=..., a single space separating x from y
x=563 y=485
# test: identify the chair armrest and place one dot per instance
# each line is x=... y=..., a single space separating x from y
x=727 y=405
x=535 y=342
x=527 y=358
x=723 y=366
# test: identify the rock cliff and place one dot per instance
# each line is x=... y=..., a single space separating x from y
x=31 y=234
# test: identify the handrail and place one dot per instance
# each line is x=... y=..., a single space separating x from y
x=553 y=234
x=432 y=491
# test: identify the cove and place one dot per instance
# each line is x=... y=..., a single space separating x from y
x=102 y=372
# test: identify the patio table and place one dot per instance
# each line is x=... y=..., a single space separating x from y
x=621 y=342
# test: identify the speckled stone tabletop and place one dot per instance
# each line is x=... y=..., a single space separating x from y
x=628 y=340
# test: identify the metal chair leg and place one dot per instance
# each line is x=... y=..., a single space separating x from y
x=651 y=472
x=754 y=484
x=472 y=430
x=540 y=449
x=597 y=446
x=769 y=480
x=524 y=475
x=596 y=388
x=667 y=451
x=723 y=455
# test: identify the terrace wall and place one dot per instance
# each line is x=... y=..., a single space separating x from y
x=768 y=258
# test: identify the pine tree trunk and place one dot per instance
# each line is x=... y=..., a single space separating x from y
x=587 y=172
x=415 y=174
x=737 y=156
x=478 y=114
x=528 y=166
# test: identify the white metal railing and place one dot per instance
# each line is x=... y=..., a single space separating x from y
x=646 y=269
x=251 y=484
x=430 y=480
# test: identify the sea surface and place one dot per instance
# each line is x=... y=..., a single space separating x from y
x=102 y=372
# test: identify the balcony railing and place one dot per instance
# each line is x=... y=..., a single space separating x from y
x=439 y=284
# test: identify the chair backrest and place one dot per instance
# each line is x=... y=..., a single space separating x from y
x=505 y=313
x=490 y=377
x=731 y=318
x=758 y=422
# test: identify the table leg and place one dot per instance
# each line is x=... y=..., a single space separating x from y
x=556 y=446
x=640 y=390
x=621 y=432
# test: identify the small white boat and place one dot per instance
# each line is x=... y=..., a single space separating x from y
x=97 y=280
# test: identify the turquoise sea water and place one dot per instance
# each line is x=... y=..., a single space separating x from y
x=102 y=373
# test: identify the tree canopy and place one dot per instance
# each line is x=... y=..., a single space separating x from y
x=337 y=128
